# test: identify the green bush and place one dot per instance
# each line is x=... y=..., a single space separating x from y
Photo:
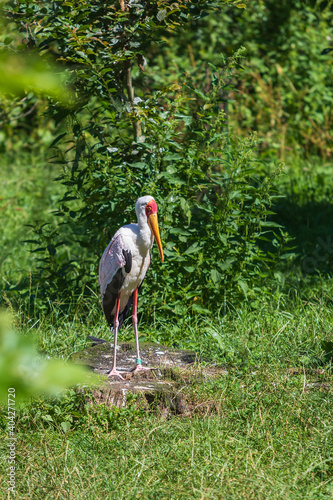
x=213 y=204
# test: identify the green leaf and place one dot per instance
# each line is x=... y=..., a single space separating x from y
x=216 y=276
x=194 y=248
x=227 y=264
x=47 y=418
x=161 y=15
x=189 y=269
x=200 y=309
x=173 y=156
x=65 y=426
x=242 y=285
x=57 y=139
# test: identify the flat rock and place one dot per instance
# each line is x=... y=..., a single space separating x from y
x=100 y=356
x=171 y=368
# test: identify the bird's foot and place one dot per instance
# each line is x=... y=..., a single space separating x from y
x=139 y=368
x=115 y=373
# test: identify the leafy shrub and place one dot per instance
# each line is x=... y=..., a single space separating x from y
x=213 y=206
x=290 y=71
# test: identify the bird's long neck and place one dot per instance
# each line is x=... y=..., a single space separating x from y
x=145 y=234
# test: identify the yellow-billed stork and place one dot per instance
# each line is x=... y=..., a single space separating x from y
x=123 y=267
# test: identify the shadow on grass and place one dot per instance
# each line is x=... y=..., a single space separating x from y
x=309 y=222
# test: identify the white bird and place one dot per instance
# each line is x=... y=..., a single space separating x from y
x=123 y=267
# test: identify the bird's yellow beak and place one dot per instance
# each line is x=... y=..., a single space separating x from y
x=153 y=224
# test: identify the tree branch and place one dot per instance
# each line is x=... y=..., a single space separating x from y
x=130 y=94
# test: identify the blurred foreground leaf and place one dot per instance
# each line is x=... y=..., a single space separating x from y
x=23 y=370
x=20 y=74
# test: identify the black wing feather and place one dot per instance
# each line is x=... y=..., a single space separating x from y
x=128 y=258
x=113 y=289
x=123 y=315
x=111 y=294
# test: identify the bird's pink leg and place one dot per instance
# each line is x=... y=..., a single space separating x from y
x=114 y=372
x=138 y=366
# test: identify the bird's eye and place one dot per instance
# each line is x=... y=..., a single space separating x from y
x=151 y=208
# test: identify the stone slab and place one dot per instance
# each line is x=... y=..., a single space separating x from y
x=170 y=370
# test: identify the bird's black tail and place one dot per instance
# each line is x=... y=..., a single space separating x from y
x=96 y=340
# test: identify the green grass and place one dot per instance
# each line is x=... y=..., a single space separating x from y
x=288 y=331
x=262 y=431
x=259 y=435
x=28 y=195
x=306 y=211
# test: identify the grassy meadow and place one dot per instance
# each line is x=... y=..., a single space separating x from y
x=263 y=430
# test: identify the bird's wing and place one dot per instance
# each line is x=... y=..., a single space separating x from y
x=116 y=262
x=116 y=256
x=123 y=314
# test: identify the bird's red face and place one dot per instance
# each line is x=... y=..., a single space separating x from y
x=151 y=208
x=151 y=213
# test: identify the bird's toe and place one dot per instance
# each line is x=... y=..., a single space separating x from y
x=140 y=368
x=115 y=373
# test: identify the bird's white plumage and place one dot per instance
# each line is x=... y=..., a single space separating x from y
x=112 y=259
x=138 y=240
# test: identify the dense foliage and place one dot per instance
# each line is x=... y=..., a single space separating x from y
x=173 y=143
x=157 y=108
x=285 y=90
